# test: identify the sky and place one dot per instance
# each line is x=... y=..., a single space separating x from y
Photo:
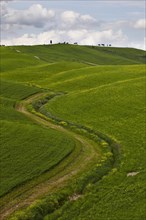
x=116 y=22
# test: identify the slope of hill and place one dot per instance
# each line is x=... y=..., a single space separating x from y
x=90 y=90
x=12 y=59
x=111 y=102
x=27 y=150
x=85 y=54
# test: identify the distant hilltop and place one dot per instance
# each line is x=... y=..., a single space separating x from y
x=91 y=55
x=76 y=43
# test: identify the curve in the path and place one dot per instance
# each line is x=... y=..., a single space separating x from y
x=18 y=200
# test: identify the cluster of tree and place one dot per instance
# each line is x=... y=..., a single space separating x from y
x=103 y=45
x=51 y=42
x=63 y=43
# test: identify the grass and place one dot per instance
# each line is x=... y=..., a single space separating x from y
x=108 y=97
x=116 y=106
x=11 y=59
x=35 y=74
x=26 y=156
x=27 y=150
x=84 y=54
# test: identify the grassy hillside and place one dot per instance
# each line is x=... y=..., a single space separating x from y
x=90 y=55
x=102 y=89
x=112 y=102
x=27 y=150
x=12 y=59
x=39 y=73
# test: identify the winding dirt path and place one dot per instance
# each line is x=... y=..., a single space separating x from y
x=75 y=163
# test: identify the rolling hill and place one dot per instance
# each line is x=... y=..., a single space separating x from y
x=72 y=132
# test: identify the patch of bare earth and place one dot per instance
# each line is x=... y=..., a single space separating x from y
x=75 y=197
x=132 y=173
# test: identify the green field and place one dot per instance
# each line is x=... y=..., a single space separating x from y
x=97 y=95
x=27 y=149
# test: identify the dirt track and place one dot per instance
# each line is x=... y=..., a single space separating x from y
x=26 y=194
